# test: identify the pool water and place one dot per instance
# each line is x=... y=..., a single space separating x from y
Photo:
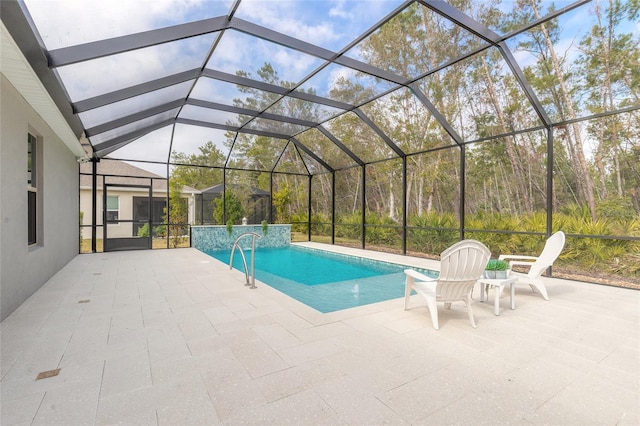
x=325 y=281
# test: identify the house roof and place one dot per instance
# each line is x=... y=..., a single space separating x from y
x=121 y=172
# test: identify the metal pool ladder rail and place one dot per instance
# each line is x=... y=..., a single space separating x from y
x=251 y=283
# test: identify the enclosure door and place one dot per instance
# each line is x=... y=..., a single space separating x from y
x=123 y=218
x=142 y=212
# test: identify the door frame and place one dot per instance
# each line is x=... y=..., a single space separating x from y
x=125 y=243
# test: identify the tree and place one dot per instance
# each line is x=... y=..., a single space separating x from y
x=551 y=79
x=228 y=209
x=203 y=175
x=177 y=218
x=610 y=68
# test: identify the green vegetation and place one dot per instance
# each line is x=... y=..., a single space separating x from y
x=158 y=231
x=594 y=188
x=231 y=209
x=430 y=235
x=497 y=265
x=81 y=220
x=176 y=218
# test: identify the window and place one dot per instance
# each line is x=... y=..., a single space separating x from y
x=113 y=208
x=32 y=190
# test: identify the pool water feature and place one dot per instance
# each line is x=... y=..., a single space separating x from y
x=323 y=280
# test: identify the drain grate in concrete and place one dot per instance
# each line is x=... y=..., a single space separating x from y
x=47 y=374
x=84 y=301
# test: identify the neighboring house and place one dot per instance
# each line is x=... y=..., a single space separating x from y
x=133 y=196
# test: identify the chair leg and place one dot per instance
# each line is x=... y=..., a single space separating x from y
x=408 y=285
x=433 y=310
x=470 y=311
x=538 y=285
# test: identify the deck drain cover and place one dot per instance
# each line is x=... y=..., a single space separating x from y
x=84 y=301
x=47 y=374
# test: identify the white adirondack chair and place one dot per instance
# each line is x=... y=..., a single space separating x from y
x=461 y=265
x=537 y=265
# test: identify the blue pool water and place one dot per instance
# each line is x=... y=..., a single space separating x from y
x=325 y=281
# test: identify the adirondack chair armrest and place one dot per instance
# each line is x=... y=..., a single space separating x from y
x=418 y=276
x=517 y=259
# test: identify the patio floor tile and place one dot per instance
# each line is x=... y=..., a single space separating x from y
x=169 y=337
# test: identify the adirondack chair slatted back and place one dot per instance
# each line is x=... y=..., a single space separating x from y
x=552 y=249
x=461 y=265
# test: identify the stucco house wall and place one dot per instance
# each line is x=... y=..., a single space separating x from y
x=23 y=268
x=127 y=175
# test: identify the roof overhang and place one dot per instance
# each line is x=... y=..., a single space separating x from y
x=15 y=67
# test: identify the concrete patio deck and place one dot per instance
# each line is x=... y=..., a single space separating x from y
x=173 y=337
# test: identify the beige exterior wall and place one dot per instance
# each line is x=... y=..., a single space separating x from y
x=125 y=197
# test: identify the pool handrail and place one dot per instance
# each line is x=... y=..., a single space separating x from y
x=252 y=283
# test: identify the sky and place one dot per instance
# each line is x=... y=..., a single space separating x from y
x=330 y=24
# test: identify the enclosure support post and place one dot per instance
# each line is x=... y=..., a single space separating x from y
x=333 y=207
x=404 y=204
x=224 y=196
x=94 y=203
x=549 y=181
x=104 y=214
x=309 y=210
x=462 y=188
x=270 y=216
x=549 y=186
x=363 y=206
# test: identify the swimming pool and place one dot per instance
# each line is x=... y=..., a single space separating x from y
x=323 y=280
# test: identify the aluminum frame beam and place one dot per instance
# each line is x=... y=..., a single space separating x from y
x=132 y=118
x=100 y=149
x=260 y=85
x=113 y=46
x=133 y=91
x=379 y=132
x=232 y=128
x=340 y=145
x=311 y=154
x=436 y=114
x=459 y=18
x=253 y=113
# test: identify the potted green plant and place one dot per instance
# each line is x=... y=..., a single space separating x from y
x=265 y=227
x=496 y=269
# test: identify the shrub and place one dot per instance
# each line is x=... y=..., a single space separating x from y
x=616 y=208
x=143 y=231
x=160 y=231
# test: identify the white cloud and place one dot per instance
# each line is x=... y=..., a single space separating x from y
x=342 y=72
x=70 y=22
x=339 y=10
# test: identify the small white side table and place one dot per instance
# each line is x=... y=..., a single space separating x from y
x=498 y=284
